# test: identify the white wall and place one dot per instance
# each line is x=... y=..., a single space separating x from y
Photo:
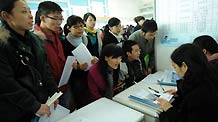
x=163 y=53
x=125 y=10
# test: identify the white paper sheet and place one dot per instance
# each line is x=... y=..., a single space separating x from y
x=83 y=55
x=56 y=115
x=67 y=71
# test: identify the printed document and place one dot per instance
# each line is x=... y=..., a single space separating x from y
x=83 y=55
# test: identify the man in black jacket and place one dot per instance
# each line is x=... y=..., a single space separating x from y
x=136 y=71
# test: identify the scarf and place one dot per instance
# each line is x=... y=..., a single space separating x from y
x=75 y=41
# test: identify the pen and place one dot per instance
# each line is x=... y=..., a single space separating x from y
x=160 y=85
x=162 y=88
x=153 y=90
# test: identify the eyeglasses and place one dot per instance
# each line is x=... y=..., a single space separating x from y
x=56 y=19
x=78 y=26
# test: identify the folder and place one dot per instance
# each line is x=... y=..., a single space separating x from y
x=146 y=102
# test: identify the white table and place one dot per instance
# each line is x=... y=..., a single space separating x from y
x=104 y=110
x=151 y=115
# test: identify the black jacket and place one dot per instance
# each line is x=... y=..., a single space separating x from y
x=136 y=72
x=25 y=79
x=109 y=38
x=199 y=104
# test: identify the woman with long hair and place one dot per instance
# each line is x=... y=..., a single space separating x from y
x=104 y=79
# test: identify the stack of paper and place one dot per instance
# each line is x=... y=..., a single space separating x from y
x=149 y=98
x=169 y=78
x=53 y=98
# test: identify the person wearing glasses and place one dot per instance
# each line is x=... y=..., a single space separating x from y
x=93 y=34
x=112 y=32
x=49 y=18
x=74 y=31
x=25 y=76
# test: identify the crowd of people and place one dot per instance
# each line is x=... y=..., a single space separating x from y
x=32 y=63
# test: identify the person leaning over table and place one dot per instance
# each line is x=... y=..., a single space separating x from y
x=25 y=78
x=145 y=37
x=197 y=94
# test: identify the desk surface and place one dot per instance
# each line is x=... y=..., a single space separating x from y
x=149 y=81
x=104 y=110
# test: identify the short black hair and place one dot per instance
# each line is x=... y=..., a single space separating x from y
x=72 y=20
x=127 y=45
x=45 y=8
x=149 y=26
x=138 y=18
x=206 y=42
x=6 y=5
x=86 y=16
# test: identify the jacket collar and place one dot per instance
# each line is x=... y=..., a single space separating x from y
x=4 y=34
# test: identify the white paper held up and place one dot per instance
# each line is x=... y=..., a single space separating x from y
x=67 y=71
x=83 y=55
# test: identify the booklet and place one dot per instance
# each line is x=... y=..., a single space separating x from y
x=149 y=98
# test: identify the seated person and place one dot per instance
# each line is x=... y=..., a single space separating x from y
x=136 y=72
x=197 y=95
x=104 y=79
x=209 y=47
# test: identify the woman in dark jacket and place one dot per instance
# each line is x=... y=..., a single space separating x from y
x=25 y=78
x=112 y=32
x=74 y=32
x=197 y=93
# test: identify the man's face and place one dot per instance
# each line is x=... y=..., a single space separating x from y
x=53 y=21
x=149 y=35
x=135 y=53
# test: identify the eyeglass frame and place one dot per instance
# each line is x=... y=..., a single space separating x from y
x=77 y=27
x=54 y=18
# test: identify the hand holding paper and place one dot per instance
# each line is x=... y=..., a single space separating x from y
x=53 y=98
x=164 y=103
x=83 y=55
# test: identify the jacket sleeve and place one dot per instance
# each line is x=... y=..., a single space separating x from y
x=93 y=87
x=171 y=115
x=11 y=90
x=52 y=87
x=132 y=37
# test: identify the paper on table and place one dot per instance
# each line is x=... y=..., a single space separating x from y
x=67 y=71
x=56 y=115
x=165 y=96
x=83 y=55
